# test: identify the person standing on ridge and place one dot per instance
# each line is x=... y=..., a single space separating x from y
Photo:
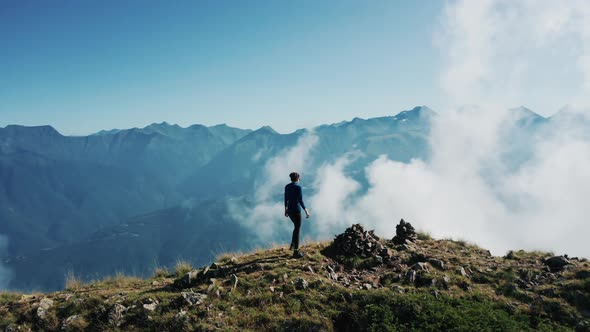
x=293 y=199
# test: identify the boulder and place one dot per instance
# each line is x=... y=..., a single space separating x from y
x=116 y=314
x=301 y=284
x=556 y=263
x=419 y=267
x=410 y=276
x=437 y=263
x=44 y=305
x=193 y=298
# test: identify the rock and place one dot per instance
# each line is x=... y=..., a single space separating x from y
x=437 y=263
x=234 y=281
x=73 y=323
x=410 y=276
x=583 y=274
x=419 y=267
x=44 y=305
x=424 y=280
x=583 y=325
x=193 y=298
x=116 y=314
x=189 y=279
x=356 y=241
x=301 y=284
x=464 y=286
x=404 y=233
x=556 y=263
x=151 y=305
x=510 y=255
x=367 y=286
x=461 y=271
x=398 y=289
x=446 y=281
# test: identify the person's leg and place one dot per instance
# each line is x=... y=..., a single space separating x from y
x=296 y=219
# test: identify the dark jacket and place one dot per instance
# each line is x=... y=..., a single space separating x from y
x=293 y=198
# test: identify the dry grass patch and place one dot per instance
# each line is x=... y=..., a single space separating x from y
x=182 y=268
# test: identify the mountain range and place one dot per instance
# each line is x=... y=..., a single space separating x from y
x=135 y=199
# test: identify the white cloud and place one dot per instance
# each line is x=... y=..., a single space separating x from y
x=499 y=51
x=277 y=169
x=334 y=193
x=266 y=216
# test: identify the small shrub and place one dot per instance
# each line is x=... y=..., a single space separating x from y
x=160 y=273
x=72 y=282
x=182 y=268
x=424 y=236
x=121 y=280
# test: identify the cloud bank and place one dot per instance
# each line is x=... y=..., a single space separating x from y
x=492 y=178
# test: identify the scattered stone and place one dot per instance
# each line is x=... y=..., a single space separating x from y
x=583 y=274
x=398 y=289
x=43 y=309
x=404 y=233
x=556 y=263
x=446 y=281
x=437 y=263
x=461 y=271
x=72 y=323
x=151 y=305
x=464 y=286
x=356 y=241
x=189 y=279
x=510 y=255
x=234 y=281
x=181 y=315
x=411 y=276
x=193 y=298
x=367 y=286
x=424 y=280
x=420 y=267
x=301 y=284
x=116 y=314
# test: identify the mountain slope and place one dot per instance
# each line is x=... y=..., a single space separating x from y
x=420 y=285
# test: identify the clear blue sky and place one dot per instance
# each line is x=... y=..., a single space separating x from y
x=83 y=66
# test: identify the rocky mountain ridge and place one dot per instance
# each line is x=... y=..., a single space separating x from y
x=358 y=282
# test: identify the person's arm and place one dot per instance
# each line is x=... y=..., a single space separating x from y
x=300 y=200
x=286 y=203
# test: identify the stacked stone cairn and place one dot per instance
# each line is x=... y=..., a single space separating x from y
x=404 y=233
x=356 y=241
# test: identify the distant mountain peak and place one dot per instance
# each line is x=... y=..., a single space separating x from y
x=415 y=113
x=45 y=130
x=524 y=111
x=266 y=130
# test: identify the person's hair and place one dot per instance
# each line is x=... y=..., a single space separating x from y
x=294 y=176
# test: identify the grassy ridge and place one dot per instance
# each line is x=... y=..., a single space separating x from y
x=267 y=290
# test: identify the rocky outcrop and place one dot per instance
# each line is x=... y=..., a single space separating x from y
x=356 y=241
x=404 y=233
x=556 y=263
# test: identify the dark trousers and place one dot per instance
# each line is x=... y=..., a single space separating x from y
x=296 y=219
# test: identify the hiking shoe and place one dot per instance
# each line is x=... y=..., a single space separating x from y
x=297 y=254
